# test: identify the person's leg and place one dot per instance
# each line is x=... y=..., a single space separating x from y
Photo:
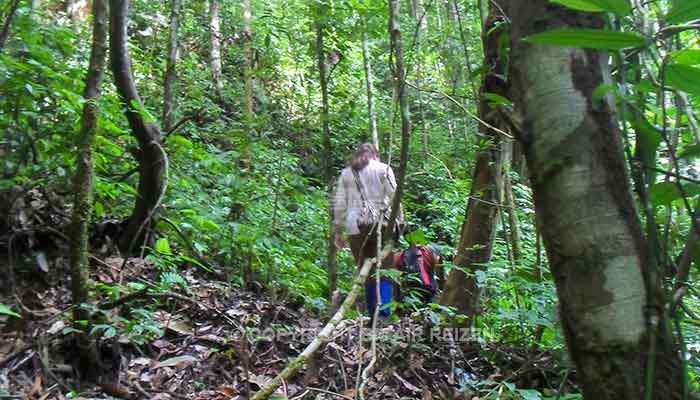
x=386 y=289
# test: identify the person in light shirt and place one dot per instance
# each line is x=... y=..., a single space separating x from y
x=366 y=183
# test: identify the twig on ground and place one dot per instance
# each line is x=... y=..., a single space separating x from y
x=325 y=333
x=375 y=315
x=342 y=396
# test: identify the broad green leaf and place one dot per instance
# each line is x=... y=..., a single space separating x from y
x=686 y=57
x=529 y=394
x=498 y=99
x=620 y=7
x=588 y=38
x=599 y=93
x=664 y=193
x=163 y=246
x=683 y=11
x=416 y=237
x=683 y=78
x=6 y=310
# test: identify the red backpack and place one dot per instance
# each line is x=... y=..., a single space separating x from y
x=419 y=259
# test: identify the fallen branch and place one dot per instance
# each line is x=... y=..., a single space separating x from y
x=325 y=333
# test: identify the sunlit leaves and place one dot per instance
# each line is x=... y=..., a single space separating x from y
x=686 y=57
x=665 y=193
x=589 y=38
x=683 y=77
x=620 y=7
x=683 y=11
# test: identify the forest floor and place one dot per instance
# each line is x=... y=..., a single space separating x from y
x=209 y=340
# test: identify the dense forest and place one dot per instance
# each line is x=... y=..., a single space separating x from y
x=172 y=174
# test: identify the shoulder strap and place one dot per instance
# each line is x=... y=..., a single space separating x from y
x=360 y=187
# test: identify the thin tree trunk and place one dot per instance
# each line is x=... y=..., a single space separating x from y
x=7 y=24
x=400 y=88
x=171 y=64
x=462 y=290
x=327 y=147
x=610 y=309
x=692 y=244
x=215 y=46
x=369 y=78
x=151 y=157
x=513 y=220
x=465 y=47
x=248 y=107
x=83 y=182
x=421 y=29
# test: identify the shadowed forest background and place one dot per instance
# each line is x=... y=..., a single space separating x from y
x=166 y=170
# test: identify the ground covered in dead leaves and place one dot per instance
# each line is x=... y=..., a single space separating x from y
x=204 y=339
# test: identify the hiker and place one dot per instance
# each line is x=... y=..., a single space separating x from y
x=420 y=263
x=363 y=197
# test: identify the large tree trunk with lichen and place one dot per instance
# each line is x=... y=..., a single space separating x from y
x=170 y=65
x=83 y=182
x=462 y=289
x=150 y=155
x=611 y=311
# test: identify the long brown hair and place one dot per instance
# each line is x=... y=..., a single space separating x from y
x=364 y=153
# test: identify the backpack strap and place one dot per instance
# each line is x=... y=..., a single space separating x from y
x=360 y=188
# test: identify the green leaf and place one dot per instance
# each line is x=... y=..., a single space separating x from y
x=683 y=78
x=683 y=11
x=664 y=193
x=163 y=246
x=416 y=237
x=141 y=110
x=529 y=394
x=686 y=57
x=6 y=310
x=588 y=38
x=498 y=99
x=599 y=93
x=619 y=7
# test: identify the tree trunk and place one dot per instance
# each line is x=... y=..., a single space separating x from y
x=475 y=248
x=369 y=78
x=7 y=24
x=465 y=47
x=400 y=89
x=421 y=29
x=513 y=221
x=215 y=46
x=611 y=315
x=83 y=182
x=248 y=108
x=170 y=68
x=327 y=147
x=150 y=155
